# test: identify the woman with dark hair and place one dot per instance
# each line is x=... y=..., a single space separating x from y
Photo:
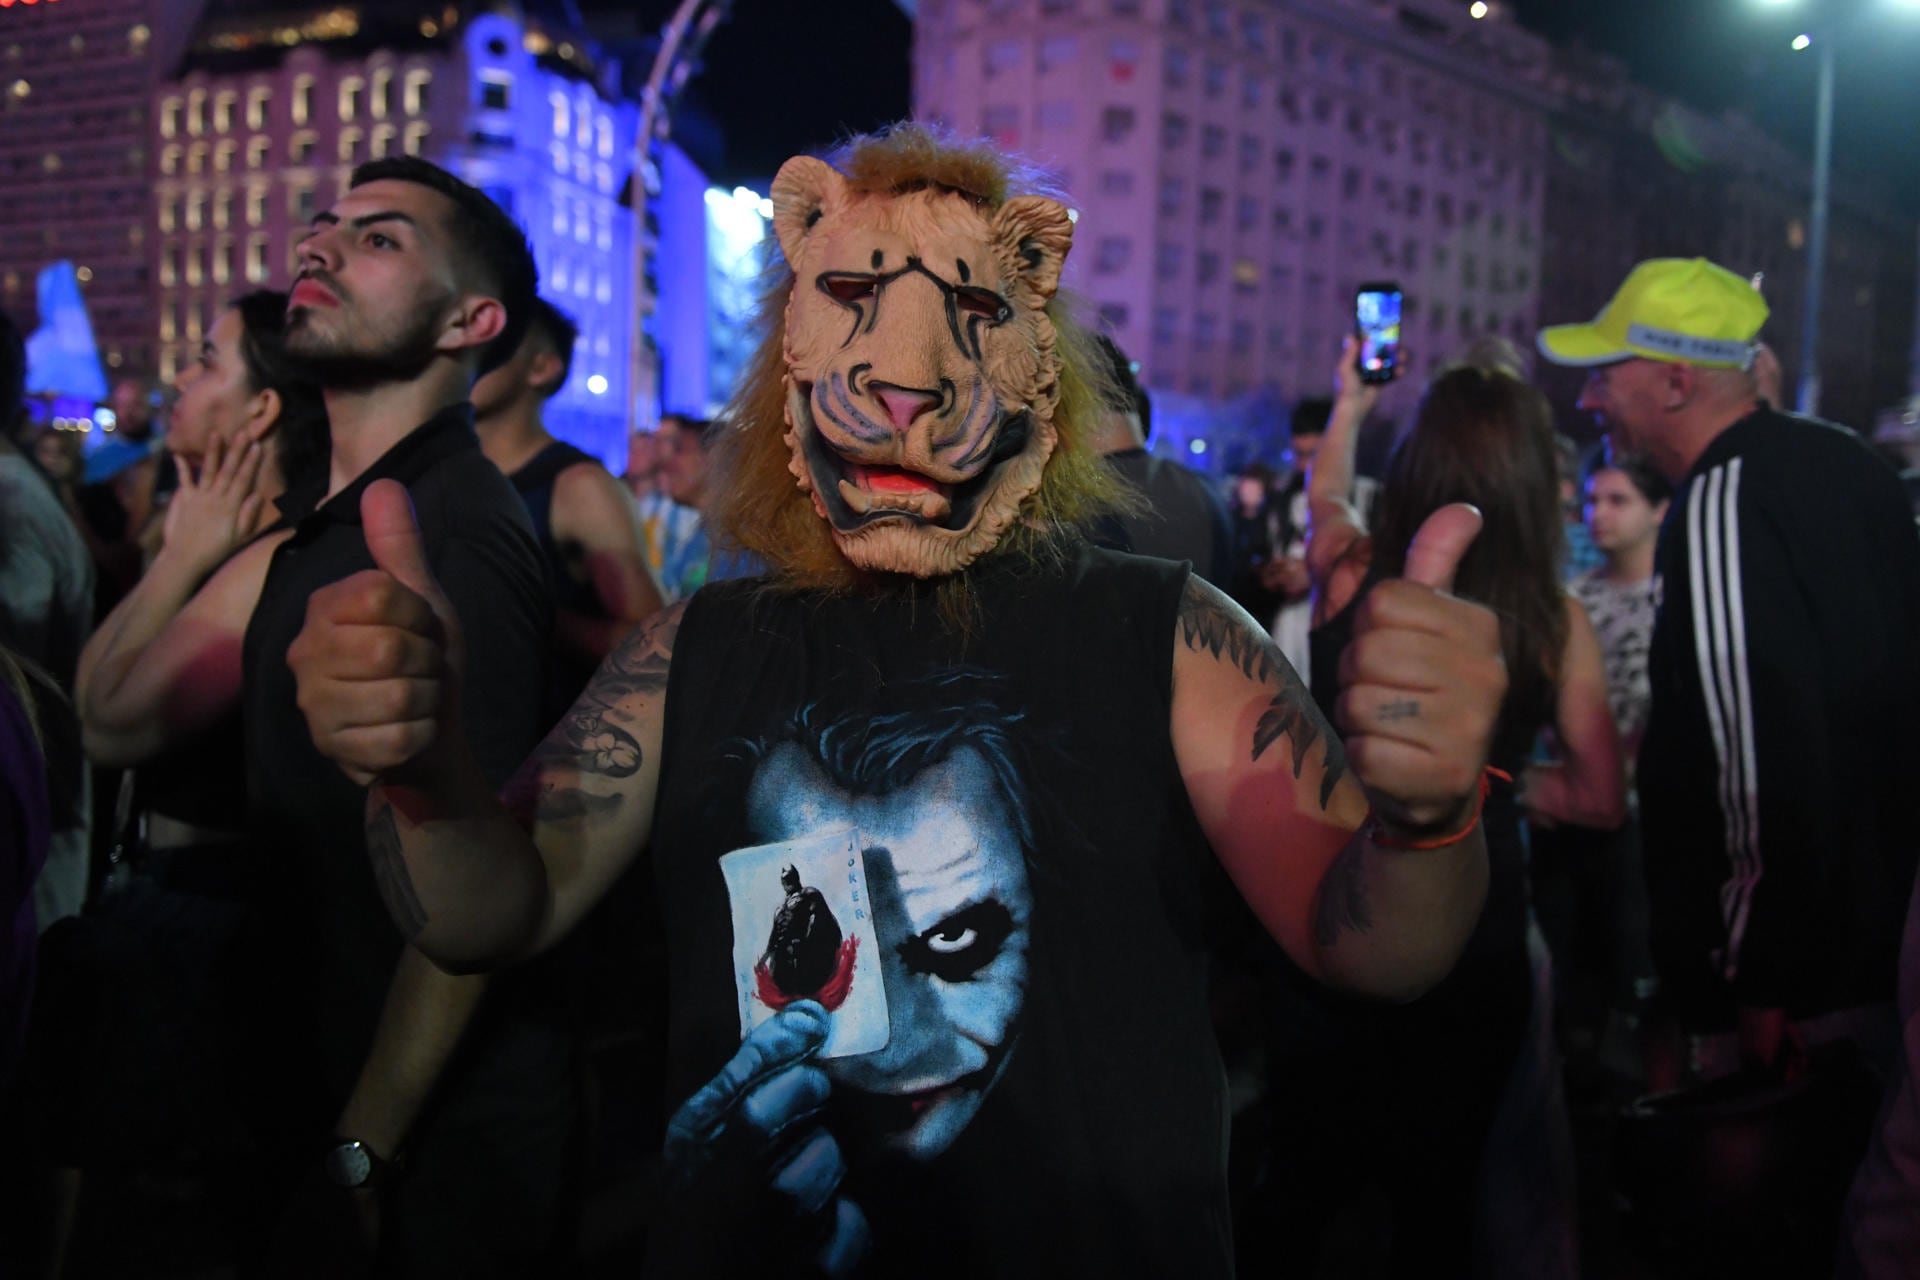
x=1425 y=1082
x=249 y=435
x=144 y=1054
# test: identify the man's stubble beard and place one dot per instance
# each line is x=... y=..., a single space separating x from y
x=337 y=362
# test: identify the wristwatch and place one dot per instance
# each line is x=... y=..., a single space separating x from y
x=351 y=1163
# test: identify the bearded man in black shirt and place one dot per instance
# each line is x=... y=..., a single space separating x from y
x=450 y=1113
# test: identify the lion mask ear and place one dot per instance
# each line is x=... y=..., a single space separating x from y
x=803 y=191
x=1036 y=232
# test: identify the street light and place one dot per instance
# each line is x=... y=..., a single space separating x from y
x=1808 y=398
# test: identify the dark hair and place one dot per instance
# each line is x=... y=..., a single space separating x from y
x=1640 y=473
x=550 y=325
x=13 y=376
x=1310 y=416
x=1484 y=436
x=871 y=752
x=489 y=246
x=1128 y=395
x=302 y=440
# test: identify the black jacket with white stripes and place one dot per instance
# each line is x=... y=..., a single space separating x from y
x=1780 y=772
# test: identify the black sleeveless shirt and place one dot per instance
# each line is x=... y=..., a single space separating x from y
x=566 y=675
x=978 y=851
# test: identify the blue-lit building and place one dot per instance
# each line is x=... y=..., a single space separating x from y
x=275 y=105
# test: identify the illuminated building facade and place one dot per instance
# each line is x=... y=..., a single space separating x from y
x=272 y=112
x=76 y=86
x=1239 y=168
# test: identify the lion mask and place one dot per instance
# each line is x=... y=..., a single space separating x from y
x=922 y=366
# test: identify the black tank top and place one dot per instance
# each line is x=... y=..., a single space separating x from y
x=979 y=851
x=566 y=674
x=534 y=482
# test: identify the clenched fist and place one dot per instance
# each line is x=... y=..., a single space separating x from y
x=378 y=663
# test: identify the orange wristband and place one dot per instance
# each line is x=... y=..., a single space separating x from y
x=1441 y=842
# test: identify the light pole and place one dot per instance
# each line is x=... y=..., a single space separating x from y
x=1808 y=399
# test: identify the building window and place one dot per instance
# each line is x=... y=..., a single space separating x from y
x=164 y=210
x=1246 y=213
x=1002 y=56
x=256 y=205
x=257 y=99
x=222 y=208
x=1282 y=220
x=1173 y=130
x=1001 y=122
x=1112 y=254
x=196 y=111
x=257 y=258
x=1174 y=68
x=562 y=117
x=167 y=326
x=257 y=152
x=351 y=89
x=196 y=210
x=1166 y=324
x=194 y=277
x=223 y=260
x=301 y=204
x=169 y=117
x=196 y=157
x=415 y=139
x=1113 y=316
x=300 y=147
x=1216 y=78
x=1249 y=152
x=1280 y=277
x=1212 y=203
x=380 y=93
x=1167 y=260
x=604 y=141
x=496 y=91
x=1057 y=52
x=349 y=146
x=1055 y=115
x=1350 y=184
x=414 y=92
x=1316 y=228
x=1213 y=142
x=223 y=152
x=169 y=264
x=1117 y=124
x=1116 y=182
x=1206 y=328
x=1206 y=266
x=380 y=142
x=1283 y=164
x=302 y=98
x=1172 y=192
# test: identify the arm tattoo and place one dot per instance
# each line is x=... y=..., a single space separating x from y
x=391 y=875
x=588 y=742
x=1404 y=709
x=1342 y=906
x=1209 y=625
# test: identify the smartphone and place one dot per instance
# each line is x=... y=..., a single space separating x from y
x=1376 y=312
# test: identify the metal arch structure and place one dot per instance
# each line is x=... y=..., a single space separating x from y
x=681 y=42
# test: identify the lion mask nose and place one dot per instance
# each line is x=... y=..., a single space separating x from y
x=904 y=404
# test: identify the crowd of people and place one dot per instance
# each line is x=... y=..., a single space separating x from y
x=833 y=845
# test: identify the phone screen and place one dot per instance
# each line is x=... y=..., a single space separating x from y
x=1377 y=310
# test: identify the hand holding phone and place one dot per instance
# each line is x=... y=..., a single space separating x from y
x=1377 y=321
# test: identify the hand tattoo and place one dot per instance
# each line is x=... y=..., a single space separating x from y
x=1209 y=625
x=1404 y=709
x=391 y=875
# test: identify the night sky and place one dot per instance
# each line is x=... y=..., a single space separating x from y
x=782 y=77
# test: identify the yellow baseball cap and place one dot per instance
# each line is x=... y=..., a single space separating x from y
x=1684 y=310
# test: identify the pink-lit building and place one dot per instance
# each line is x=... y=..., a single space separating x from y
x=1238 y=168
x=76 y=85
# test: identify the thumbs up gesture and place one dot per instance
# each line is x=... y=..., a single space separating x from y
x=1421 y=684
x=378 y=663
